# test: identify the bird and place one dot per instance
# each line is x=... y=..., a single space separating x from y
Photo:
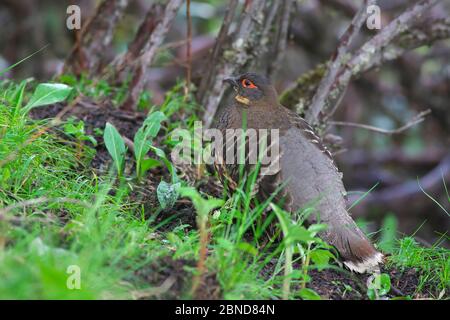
x=306 y=168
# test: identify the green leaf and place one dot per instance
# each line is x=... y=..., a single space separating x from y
x=115 y=145
x=247 y=247
x=202 y=206
x=142 y=138
x=18 y=98
x=321 y=257
x=298 y=234
x=160 y=153
x=167 y=194
x=24 y=59
x=309 y=294
x=379 y=286
x=18 y=94
x=91 y=139
x=47 y=93
x=150 y=163
x=315 y=228
x=385 y=282
x=282 y=218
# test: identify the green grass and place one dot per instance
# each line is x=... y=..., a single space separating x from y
x=433 y=264
x=100 y=233
x=56 y=213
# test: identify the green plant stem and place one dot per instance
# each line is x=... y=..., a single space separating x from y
x=287 y=272
x=306 y=265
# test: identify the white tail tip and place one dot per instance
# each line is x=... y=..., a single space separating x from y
x=370 y=264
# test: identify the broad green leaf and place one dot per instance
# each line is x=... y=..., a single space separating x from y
x=47 y=93
x=167 y=194
x=150 y=163
x=160 y=153
x=385 y=282
x=315 y=228
x=298 y=234
x=321 y=257
x=309 y=294
x=143 y=138
x=115 y=145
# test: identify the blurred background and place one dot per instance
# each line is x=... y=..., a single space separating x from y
x=409 y=172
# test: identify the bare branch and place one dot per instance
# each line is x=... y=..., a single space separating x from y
x=238 y=55
x=416 y=120
x=220 y=43
x=367 y=56
x=394 y=198
x=188 y=48
x=281 y=39
x=96 y=36
x=241 y=50
x=337 y=62
x=148 y=53
x=298 y=97
x=142 y=37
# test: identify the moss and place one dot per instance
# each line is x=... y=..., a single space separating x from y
x=299 y=96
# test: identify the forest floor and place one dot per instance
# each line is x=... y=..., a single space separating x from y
x=328 y=283
x=64 y=206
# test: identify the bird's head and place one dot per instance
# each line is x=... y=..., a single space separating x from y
x=252 y=88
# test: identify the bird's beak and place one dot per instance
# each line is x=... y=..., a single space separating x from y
x=232 y=81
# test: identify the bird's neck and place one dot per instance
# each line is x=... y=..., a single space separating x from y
x=258 y=116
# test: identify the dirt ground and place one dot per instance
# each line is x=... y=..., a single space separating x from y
x=171 y=276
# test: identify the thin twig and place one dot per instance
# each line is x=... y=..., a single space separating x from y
x=188 y=48
x=415 y=120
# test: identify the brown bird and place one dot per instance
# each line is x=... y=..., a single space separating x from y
x=305 y=167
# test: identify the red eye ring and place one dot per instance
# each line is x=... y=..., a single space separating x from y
x=248 y=84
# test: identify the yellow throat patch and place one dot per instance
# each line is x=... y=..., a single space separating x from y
x=242 y=99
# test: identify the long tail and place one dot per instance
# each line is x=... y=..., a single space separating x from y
x=357 y=252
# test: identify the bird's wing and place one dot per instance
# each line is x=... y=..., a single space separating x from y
x=312 y=181
x=309 y=133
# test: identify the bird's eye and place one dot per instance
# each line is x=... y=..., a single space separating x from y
x=248 y=84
